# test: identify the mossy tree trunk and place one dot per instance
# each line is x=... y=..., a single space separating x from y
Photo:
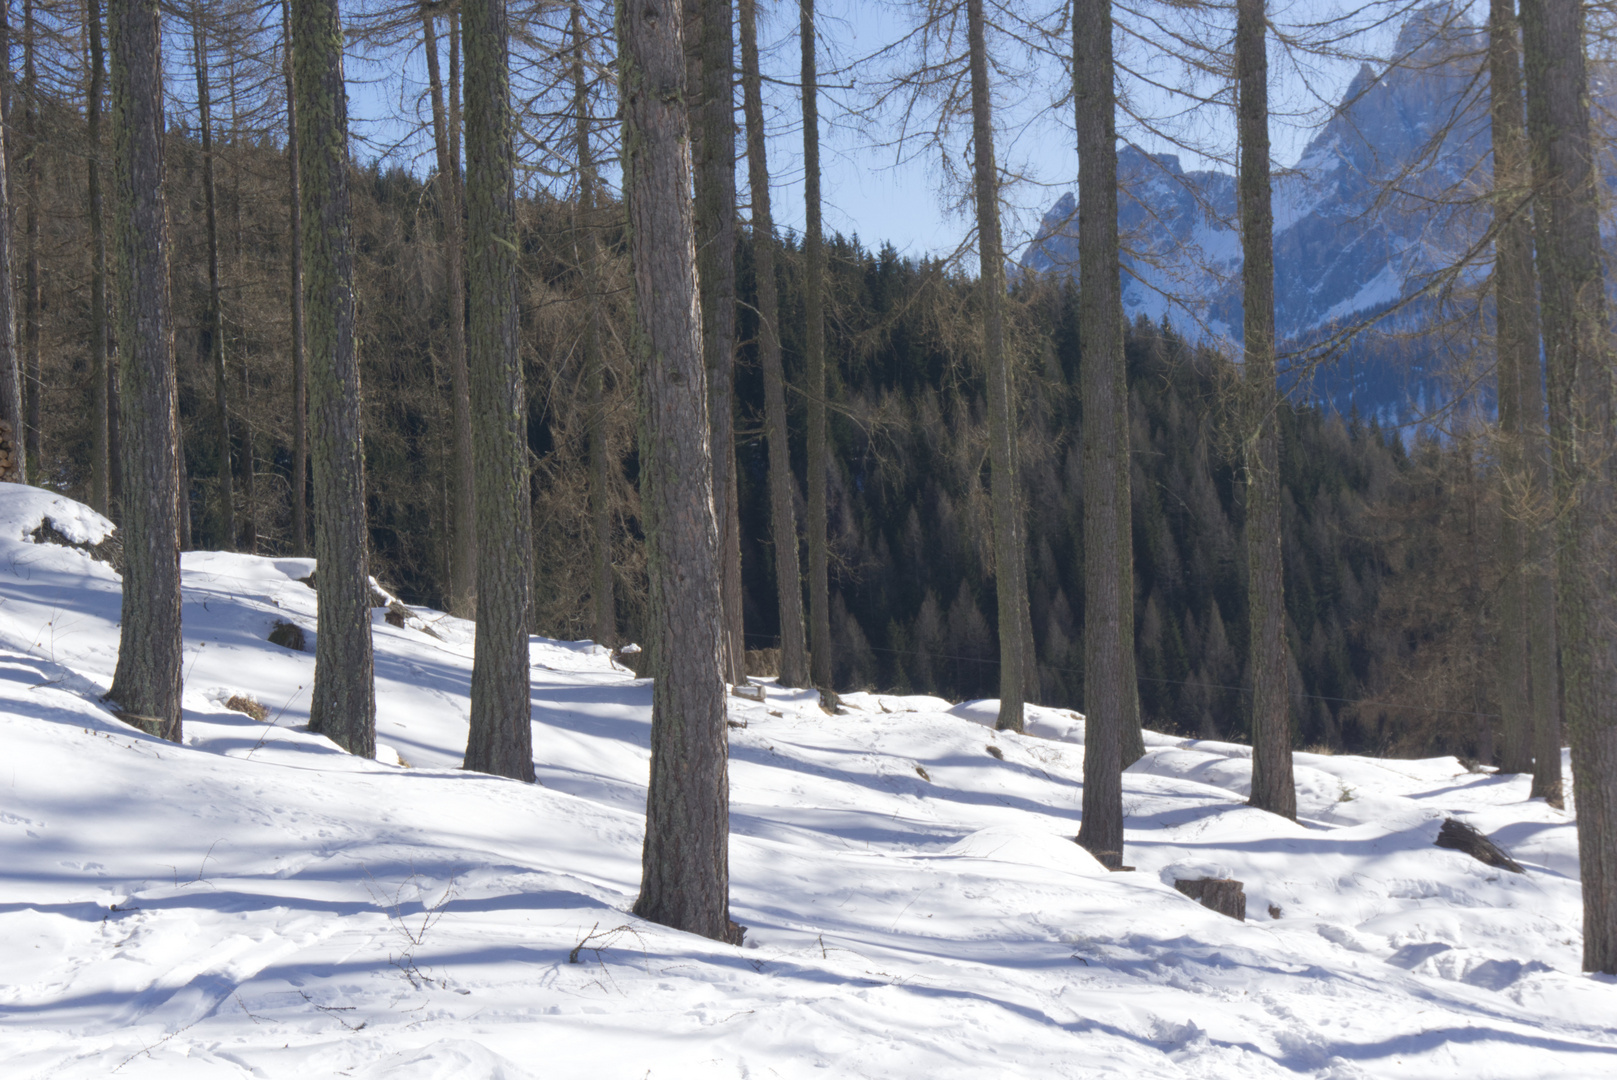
x=501 y=739
x=147 y=680
x=1272 y=786
x=685 y=867
x=343 y=705
x=782 y=507
x=1110 y=702
x=1578 y=352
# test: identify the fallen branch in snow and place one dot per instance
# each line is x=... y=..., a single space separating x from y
x=1458 y=836
x=333 y=1010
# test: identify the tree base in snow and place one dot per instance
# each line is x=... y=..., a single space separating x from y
x=1225 y=896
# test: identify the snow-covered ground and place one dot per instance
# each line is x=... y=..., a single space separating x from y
x=257 y=903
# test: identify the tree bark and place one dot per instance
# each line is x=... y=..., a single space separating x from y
x=147 y=680
x=710 y=52
x=782 y=509
x=814 y=361
x=33 y=300
x=300 y=371
x=100 y=398
x=1109 y=693
x=1010 y=575
x=1272 y=786
x=343 y=705
x=213 y=323
x=249 y=464
x=587 y=250
x=1529 y=680
x=685 y=880
x=11 y=395
x=463 y=520
x=501 y=739
x=1579 y=363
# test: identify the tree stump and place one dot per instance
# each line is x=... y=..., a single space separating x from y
x=1223 y=895
x=1458 y=836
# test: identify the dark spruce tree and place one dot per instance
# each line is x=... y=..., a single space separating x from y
x=146 y=683
x=343 y=704
x=685 y=868
x=501 y=739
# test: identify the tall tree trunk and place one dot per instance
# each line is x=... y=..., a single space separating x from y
x=463 y=519
x=587 y=251
x=501 y=738
x=1109 y=693
x=1582 y=412
x=300 y=371
x=343 y=705
x=1272 y=786
x=33 y=300
x=249 y=465
x=685 y=868
x=100 y=399
x=1529 y=682
x=147 y=680
x=814 y=361
x=782 y=510
x=710 y=52
x=1010 y=576
x=213 y=323
x=11 y=395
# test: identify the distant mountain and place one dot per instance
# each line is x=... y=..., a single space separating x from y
x=1375 y=207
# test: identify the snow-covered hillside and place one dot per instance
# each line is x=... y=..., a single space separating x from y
x=257 y=903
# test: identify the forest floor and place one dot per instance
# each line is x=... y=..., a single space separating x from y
x=257 y=903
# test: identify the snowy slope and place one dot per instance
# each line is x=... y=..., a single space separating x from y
x=256 y=903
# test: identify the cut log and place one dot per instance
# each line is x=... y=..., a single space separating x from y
x=1458 y=836
x=1223 y=895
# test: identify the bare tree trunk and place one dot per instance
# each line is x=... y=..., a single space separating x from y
x=1529 y=681
x=300 y=371
x=501 y=739
x=782 y=510
x=213 y=325
x=814 y=361
x=249 y=465
x=11 y=408
x=343 y=705
x=588 y=255
x=1272 y=786
x=1582 y=413
x=1109 y=693
x=32 y=298
x=463 y=521
x=685 y=869
x=100 y=460
x=1010 y=575
x=147 y=680
x=710 y=52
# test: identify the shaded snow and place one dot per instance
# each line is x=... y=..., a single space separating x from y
x=257 y=903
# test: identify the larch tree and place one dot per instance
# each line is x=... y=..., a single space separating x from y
x=33 y=299
x=146 y=683
x=501 y=737
x=300 y=368
x=710 y=51
x=1110 y=702
x=11 y=394
x=463 y=512
x=343 y=704
x=782 y=505
x=212 y=335
x=819 y=578
x=1529 y=673
x=1010 y=541
x=1272 y=786
x=587 y=249
x=685 y=879
x=101 y=396
x=1582 y=411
